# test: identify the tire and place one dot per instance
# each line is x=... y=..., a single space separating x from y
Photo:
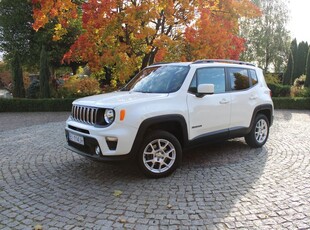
x=259 y=132
x=160 y=154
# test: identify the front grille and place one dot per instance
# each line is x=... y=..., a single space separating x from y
x=84 y=114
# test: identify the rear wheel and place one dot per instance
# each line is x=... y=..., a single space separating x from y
x=160 y=154
x=259 y=133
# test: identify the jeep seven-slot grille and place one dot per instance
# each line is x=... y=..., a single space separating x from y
x=84 y=114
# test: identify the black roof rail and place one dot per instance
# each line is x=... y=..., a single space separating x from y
x=222 y=61
x=161 y=63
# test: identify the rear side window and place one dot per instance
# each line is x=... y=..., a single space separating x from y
x=253 y=76
x=239 y=79
x=215 y=76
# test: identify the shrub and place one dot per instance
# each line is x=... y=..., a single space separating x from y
x=272 y=78
x=79 y=87
x=35 y=105
x=279 y=90
x=291 y=103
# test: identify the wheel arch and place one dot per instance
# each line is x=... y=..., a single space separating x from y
x=265 y=109
x=174 y=124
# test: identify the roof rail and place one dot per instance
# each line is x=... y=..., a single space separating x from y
x=160 y=63
x=223 y=61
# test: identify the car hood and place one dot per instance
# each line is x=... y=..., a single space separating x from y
x=112 y=100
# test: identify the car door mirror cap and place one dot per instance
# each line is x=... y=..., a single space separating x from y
x=205 y=89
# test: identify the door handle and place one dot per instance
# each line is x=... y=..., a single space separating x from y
x=253 y=97
x=224 y=101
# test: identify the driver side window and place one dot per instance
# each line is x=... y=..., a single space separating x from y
x=215 y=76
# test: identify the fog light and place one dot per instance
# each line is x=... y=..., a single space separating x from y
x=98 y=151
x=111 y=142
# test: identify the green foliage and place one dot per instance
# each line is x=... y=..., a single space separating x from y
x=35 y=105
x=307 y=82
x=267 y=39
x=291 y=103
x=17 y=73
x=16 y=31
x=300 y=61
x=44 y=74
x=287 y=76
x=272 y=78
x=279 y=90
x=305 y=92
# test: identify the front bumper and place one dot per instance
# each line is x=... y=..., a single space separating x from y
x=102 y=143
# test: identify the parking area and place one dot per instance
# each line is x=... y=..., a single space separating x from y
x=220 y=186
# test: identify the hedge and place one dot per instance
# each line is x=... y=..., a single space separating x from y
x=54 y=105
x=291 y=103
x=279 y=90
x=35 y=105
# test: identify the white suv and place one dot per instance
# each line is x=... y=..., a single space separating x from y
x=168 y=107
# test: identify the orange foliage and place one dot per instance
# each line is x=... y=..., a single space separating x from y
x=125 y=35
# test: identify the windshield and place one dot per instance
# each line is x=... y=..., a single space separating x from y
x=158 y=79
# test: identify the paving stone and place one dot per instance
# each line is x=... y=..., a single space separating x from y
x=219 y=186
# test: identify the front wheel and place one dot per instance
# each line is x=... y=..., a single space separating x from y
x=259 y=132
x=160 y=154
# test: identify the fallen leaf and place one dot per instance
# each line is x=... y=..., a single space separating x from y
x=123 y=221
x=38 y=227
x=117 y=193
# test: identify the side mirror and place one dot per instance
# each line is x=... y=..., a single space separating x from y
x=204 y=89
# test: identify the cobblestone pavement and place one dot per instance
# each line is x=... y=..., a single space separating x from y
x=221 y=186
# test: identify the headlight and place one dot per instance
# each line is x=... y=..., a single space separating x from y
x=108 y=116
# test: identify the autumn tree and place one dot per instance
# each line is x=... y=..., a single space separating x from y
x=124 y=36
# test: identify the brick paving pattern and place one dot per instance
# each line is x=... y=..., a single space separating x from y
x=220 y=186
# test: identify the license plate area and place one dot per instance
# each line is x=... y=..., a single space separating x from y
x=76 y=138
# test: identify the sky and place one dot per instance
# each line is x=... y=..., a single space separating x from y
x=299 y=20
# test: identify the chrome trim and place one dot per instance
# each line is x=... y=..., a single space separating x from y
x=84 y=114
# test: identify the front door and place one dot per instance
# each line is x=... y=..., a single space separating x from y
x=209 y=114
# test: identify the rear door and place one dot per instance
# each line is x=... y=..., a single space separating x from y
x=244 y=96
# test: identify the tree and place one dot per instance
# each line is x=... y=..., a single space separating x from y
x=307 y=82
x=44 y=74
x=17 y=73
x=267 y=39
x=16 y=31
x=300 y=60
x=287 y=76
x=138 y=33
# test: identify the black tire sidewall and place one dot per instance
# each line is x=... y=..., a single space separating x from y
x=250 y=138
x=159 y=134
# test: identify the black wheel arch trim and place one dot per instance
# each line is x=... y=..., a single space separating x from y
x=146 y=124
x=259 y=109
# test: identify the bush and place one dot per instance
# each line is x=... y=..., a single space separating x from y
x=272 y=78
x=35 y=105
x=296 y=92
x=78 y=87
x=291 y=103
x=279 y=90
